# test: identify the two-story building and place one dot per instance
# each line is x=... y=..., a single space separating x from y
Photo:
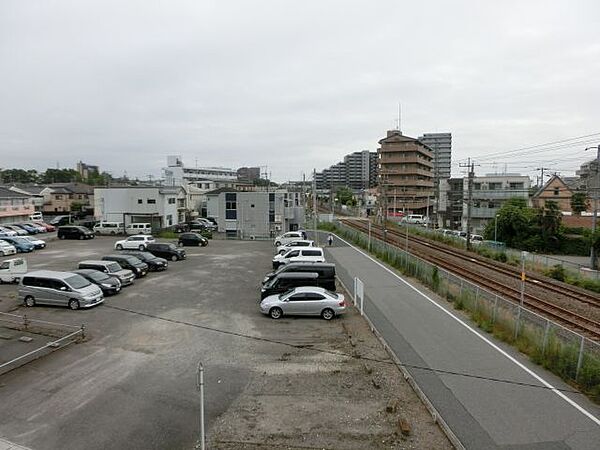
x=15 y=206
x=157 y=205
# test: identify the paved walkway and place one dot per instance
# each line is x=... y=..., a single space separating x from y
x=483 y=413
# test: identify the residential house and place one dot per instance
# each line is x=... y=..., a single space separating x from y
x=557 y=190
x=15 y=206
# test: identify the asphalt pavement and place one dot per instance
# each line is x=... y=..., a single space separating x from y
x=491 y=396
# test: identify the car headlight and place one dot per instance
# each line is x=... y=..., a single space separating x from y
x=106 y=285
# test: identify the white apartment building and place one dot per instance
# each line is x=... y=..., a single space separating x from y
x=176 y=173
x=489 y=194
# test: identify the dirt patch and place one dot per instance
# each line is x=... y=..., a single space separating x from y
x=307 y=399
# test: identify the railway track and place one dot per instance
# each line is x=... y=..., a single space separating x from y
x=435 y=253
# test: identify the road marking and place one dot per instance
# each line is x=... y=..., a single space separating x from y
x=574 y=404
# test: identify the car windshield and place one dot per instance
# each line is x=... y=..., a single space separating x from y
x=77 y=282
x=98 y=276
x=172 y=246
x=113 y=267
x=285 y=294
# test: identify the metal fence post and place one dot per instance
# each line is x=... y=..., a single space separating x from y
x=495 y=311
x=200 y=386
x=546 y=333
x=82 y=331
x=25 y=321
x=477 y=298
x=580 y=358
x=517 y=322
x=461 y=287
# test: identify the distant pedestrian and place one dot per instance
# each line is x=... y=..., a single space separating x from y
x=303 y=234
x=330 y=239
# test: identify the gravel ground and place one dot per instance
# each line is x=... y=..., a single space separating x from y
x=308 y=399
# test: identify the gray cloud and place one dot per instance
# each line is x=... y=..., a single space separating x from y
x=291 y=85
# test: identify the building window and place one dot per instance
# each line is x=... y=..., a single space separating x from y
x=477 y=186
x=230 y=206
x=556 y=191
x=58 y=197
x=151 y=201
x=140 y=201
x=169 y=220
x=515 y=186
x=171 y=201
x=495 y=186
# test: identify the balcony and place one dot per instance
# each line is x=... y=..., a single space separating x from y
x=398 y=159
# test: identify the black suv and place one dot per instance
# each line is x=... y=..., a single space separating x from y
x=192 y=239
x=167 y=251
x=154 y=262
x=75 y=232
x=109 y=285
x=139 y=268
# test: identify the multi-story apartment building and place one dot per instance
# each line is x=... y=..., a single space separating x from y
x=489 y=194
x=441 y=147
x=405 y=174
x=176 y=174
x=358 y=171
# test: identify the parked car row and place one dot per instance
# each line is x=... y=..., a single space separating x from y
x=114 y=228
x=92 y=280
x=9 y=245
x=25 y=228
x=145 y=243
x=303 y=284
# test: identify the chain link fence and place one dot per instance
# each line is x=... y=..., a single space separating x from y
x=566 y=353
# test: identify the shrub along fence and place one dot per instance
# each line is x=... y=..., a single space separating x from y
x=573 y=357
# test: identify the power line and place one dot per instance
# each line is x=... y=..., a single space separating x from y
x=339 y=353
x=543 y=147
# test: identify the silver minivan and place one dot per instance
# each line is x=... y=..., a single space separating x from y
x=47 y=287
x=111 y=268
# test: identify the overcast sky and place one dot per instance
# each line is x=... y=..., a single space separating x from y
x=292 y=85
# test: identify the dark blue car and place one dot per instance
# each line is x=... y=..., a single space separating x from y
x=21 y=244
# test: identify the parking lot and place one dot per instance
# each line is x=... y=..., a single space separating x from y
x=132 y=382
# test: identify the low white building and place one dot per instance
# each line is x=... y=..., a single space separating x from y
x=258 y=214
x=140 y=204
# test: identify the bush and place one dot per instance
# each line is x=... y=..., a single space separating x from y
x=557 y=272
x=167 y=234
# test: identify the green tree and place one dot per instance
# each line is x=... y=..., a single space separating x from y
x=19 y=176
x=345 y=196
x=517 y=224
x=60 y=176
x=579 y=203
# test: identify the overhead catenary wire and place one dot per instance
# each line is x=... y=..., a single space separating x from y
x=340 y=353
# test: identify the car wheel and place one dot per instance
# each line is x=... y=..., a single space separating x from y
x=180 y=244
x=2 y=252
x=61 y=236
x=29 y=301
x=141 y=248
x=327 y=314
x=119 y=247
x=277 y=244
x=73 y=304
x=275 y=313
x=81 y=237
x=204 y=244
x=174 y=258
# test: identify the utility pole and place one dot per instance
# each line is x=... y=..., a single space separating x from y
x=471 y=166
x=314 y=202
x=596 y=188
x=542 y=169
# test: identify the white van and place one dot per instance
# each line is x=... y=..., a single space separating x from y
x=36 y=217
x=11 y=270
x=302 y=254
x=415 y=218
x=138 y=228
x=108 y=228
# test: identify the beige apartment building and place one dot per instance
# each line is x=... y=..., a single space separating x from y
x=405 y=174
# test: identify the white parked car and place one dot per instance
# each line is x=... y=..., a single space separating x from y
x=302 y=254
x=288 y=237
x=7 y=232
x=11 y=270
x=137 y=242
x=207 y=223
x=293 y=244
x=6 y=248
x=109 y=228
x=138 y=228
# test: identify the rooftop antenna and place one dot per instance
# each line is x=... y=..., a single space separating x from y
x=400 y=117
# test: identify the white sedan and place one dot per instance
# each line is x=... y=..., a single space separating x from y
x=299 y=243
x=137 y=242
x=304 y=301
x=6 y=248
